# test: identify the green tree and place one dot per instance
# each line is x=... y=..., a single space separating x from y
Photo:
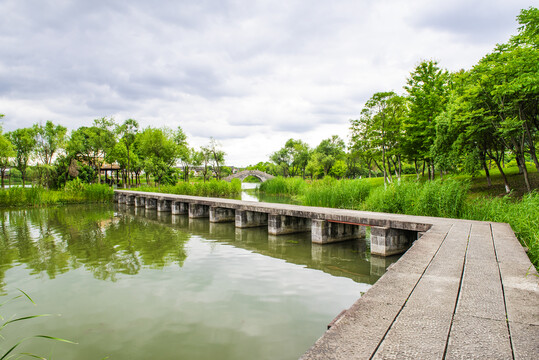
x=128 y=132
x=24 y=142
x=49 y=140
x=427 y=89
x=217 y=156
x=282 y=158
x=330 y=151
x=159 y=152
x=6 y=153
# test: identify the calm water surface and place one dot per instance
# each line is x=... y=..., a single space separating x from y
x=136 y=284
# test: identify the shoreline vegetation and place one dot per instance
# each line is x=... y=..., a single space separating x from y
x=451 y=197
x=78 y=192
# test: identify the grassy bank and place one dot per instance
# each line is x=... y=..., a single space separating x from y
x=72 y=194
x=461 y=197
x=213 y=188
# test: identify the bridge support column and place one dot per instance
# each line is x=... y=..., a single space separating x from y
x=198 y=211
x=219 y=214
x=164 y=205
x=245 y=219
x=386 y=241
x=121 y=199
x=324 y=231
x=180 y=208
x=140 y=201
x=151 y=204
x=282 y=224
x=130 y=200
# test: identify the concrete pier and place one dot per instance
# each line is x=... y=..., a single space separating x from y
x=151 y=203
x=283 y=224
x=246 y=219
x=198 y=211
x=324 y=231
x=164 y=205
x=140 y=201
x=219 y=214
x=180 y=208
x=386 y=241
x=130 y=200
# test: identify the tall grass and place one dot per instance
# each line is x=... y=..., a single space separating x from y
x=74 y=192
x=522 y=215
x=347 y=194
x=433 y=198
x=214 y=188
x=283 y=186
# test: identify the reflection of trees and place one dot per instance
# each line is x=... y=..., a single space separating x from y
x=56 y=240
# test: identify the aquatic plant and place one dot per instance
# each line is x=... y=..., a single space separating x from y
x=6 y=354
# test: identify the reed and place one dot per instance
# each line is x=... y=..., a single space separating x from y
x=347 y=194
x=213 y=188
x=283 y=186
x=74 y=192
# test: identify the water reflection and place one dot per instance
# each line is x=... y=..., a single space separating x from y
x=171 y=287
x=106 y=243
x=350 y=259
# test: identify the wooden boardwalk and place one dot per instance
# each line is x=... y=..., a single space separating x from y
x=464 y=289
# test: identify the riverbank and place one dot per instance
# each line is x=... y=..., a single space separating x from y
x=460 y=198
x=77 y=192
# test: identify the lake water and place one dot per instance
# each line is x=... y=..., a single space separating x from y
x=134 y=284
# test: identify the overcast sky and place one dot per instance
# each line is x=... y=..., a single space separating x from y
x=252 y=74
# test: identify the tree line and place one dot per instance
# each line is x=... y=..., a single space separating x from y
x=443 y=122
x=58 y=156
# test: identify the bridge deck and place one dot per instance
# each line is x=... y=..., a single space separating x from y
x=462 y=291
x=465 y=289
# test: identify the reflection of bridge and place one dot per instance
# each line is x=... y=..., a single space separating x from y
x=262 y=176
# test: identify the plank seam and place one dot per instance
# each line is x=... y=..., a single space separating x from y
x=503 y=292
x=410 y=294
x=458 y=293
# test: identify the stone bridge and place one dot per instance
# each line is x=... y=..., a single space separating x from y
x=262 y=176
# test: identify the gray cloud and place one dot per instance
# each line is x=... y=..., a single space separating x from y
x=477 y=21
x=229 y=69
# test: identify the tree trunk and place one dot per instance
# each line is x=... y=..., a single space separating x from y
x=2 y=174
x=484 y=164
x=519 y=164
x=530 y=140
x=389 y=170
x=525 y=173
x=487 y=173
x=500 y=169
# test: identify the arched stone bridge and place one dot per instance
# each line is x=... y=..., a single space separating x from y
x=262 y=176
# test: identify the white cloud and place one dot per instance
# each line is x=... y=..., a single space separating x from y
x=251 y=74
